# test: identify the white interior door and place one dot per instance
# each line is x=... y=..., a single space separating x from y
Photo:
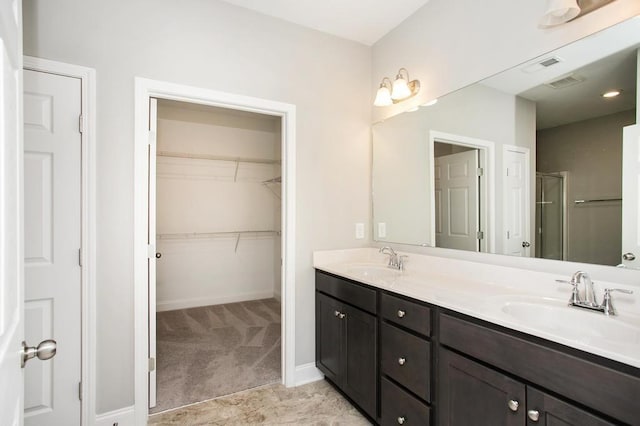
x=52 y=221
x=151 y=235
x=516 y=201
x=456 y=199
x=11 y=259
x=630 y=255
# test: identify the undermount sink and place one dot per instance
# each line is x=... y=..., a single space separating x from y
x=557 y=317
x=373 y=272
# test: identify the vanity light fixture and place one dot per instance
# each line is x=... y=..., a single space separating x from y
x=401 y=89
x=611 y=93
x=559 y=12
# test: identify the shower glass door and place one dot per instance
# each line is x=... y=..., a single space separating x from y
x=550 y=211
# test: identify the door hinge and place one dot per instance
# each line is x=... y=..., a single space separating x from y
x=480 y=235
x=152 y=364
x=81 y=124
x=480 y=171
x=80 y=391
x=80 y=257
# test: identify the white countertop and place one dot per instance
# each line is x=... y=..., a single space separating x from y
x=527 y=301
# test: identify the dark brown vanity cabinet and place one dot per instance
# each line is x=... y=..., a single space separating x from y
x=402 y=361
x=346 y=339
x=500 y=377
x=471 y=393
x=405 y=361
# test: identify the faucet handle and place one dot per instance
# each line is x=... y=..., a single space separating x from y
x=607 y=305
x=608 y=291
x=401 y=258
x=575 y=295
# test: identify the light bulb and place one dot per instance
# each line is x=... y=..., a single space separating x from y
x=383 y=97
x=400 y=89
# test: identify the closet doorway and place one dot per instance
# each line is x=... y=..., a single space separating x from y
x=218 y=252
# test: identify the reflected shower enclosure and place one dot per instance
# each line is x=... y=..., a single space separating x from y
x=550 y=216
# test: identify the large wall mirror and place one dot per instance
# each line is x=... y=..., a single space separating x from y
x=525 y=163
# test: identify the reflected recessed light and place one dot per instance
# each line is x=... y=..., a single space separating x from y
x=431 y=102
x=611 y=93
x=413 y=109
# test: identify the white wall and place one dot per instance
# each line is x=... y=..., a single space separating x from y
x=211 y=44
x=451 y=44
x=201 y=196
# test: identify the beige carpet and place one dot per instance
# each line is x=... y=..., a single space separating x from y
x=207 y=352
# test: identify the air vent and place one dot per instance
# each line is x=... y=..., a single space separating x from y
x=542 y=64
x=566 y=81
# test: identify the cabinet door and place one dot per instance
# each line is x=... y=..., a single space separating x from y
x=545 y=410
x=472 y=394
x=361 y=359
x=329 y=337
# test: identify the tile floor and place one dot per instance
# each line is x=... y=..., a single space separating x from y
x=316 y=403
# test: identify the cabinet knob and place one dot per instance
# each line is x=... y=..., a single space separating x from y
x=401 y=420
x=341 y=316
x=401 y=313
x=401 y=360
x=534 y=415
x=336 y=313
x=513 y=405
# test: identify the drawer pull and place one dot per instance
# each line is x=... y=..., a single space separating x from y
x=513 y=405
x=534 y=415
x=401 y=313
x=401 y=420
x=401 y=361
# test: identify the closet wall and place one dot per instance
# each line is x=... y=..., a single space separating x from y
x=218 y=219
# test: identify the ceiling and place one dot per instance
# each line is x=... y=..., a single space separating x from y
x=364 y=21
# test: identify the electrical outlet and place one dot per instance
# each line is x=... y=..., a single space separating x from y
x=359 y=231
x=382 y=230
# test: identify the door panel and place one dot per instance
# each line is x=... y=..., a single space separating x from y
x=360 y=358
x=456 y=199
x=631 y=196
x=552 y=411
x=329 y=332
x=472 y=394
x=151 y=241
x=11 y=259
x=52 y=144
x=516 y=202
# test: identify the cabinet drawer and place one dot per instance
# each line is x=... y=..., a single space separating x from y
x=411 y=315
x=354 y=294
x=399 y=407
x=406 y=359
x=597 y=385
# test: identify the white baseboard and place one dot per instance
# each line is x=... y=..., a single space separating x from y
x=307 y=373
x=122 y=417
x=172 y=305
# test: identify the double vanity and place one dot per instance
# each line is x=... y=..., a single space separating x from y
x=451 y=342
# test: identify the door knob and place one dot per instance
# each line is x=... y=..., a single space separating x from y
x=158 y=255
x=45 y=350
x=526 y=244
x=629 y=256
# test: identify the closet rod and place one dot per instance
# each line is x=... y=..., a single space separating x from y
x=597 y=200
x=204 y=235
x=216 y=157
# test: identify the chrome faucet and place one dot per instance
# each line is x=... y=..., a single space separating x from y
x=588 y=299
x=396 y=261
x=588 y=293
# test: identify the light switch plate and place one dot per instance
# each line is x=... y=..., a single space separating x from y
x=382 y=230
x=359 y=231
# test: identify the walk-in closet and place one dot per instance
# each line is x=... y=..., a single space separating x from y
x=218 y=260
